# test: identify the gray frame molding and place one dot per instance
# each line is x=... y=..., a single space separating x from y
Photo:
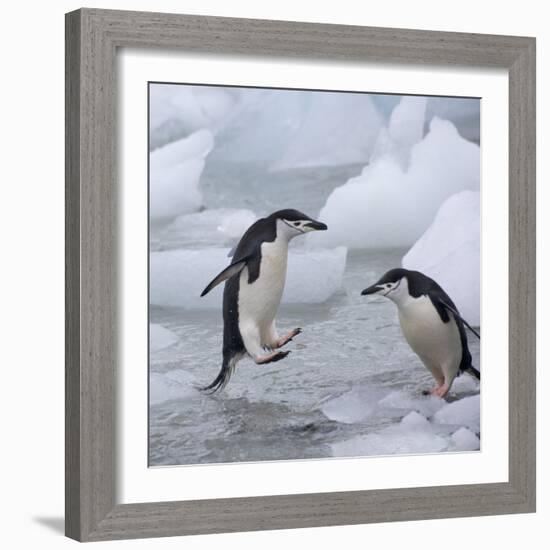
x=92 y=38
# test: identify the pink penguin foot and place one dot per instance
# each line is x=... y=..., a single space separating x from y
x=271 y=357
x=288 y=337
x=440 y=391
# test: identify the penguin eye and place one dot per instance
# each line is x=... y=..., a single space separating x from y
x=296 y=224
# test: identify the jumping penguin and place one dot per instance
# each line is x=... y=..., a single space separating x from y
x=431 y=324
x=254 y=284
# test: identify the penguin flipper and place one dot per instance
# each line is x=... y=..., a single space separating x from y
x=227 y=273
x=458 y=316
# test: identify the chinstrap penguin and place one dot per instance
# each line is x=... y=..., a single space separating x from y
x=431 y=324
x=254 y=283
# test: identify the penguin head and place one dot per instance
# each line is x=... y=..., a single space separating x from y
x=291 y=223
x=393 y=285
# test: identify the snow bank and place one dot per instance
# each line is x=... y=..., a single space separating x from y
x=175 y=171
x=176 y=384
x=449 y=252
x=388 y=205
x=179 y=110
x=160 y=337
x=177 y=277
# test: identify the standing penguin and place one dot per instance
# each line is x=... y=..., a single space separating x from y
x=253 y=289
x=431 y=324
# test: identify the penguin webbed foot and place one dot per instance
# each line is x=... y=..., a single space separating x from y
x=439 y=391
x=271 y=357
x=288 y=337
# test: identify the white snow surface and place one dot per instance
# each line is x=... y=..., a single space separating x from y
x=160 y=337
x=449 y=252
x=175 y=171
x=388 y=205
x=177 y=277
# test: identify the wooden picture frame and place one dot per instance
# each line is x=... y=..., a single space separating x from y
x=92 y=39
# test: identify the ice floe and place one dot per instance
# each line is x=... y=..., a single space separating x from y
x=175 y=171
x=414 y=434
x=418 y=423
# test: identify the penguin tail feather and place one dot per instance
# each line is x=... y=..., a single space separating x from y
x=219 y=383
x=473 y=372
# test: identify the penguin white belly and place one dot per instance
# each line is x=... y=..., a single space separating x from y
x=435 y=342
x=259 y=301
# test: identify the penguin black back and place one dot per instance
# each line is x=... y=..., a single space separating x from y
x=422 y=285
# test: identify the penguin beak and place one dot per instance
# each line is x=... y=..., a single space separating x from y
x=316 y=226
x=374 y=289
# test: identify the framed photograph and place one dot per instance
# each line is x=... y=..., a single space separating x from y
x=292 y=251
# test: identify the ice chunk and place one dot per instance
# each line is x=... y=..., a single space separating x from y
x=177 y=277
x=465 y=383
x=178 y=110
x=449 y=252
x=175 y=171
x=354 y=406
x=464 y=412
x=389 y=206
x=464 y=440
x=313 y=276
x=235 y=224
x=413 y=434
x=464 y=113
x=359 y=404
x=160 y=337
x=415 y=421
x=294 y=128
x=261 y=126
x=176 y=384
x=336 y=129
x=217 y=227
x=405 y=129
x=401 y=400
